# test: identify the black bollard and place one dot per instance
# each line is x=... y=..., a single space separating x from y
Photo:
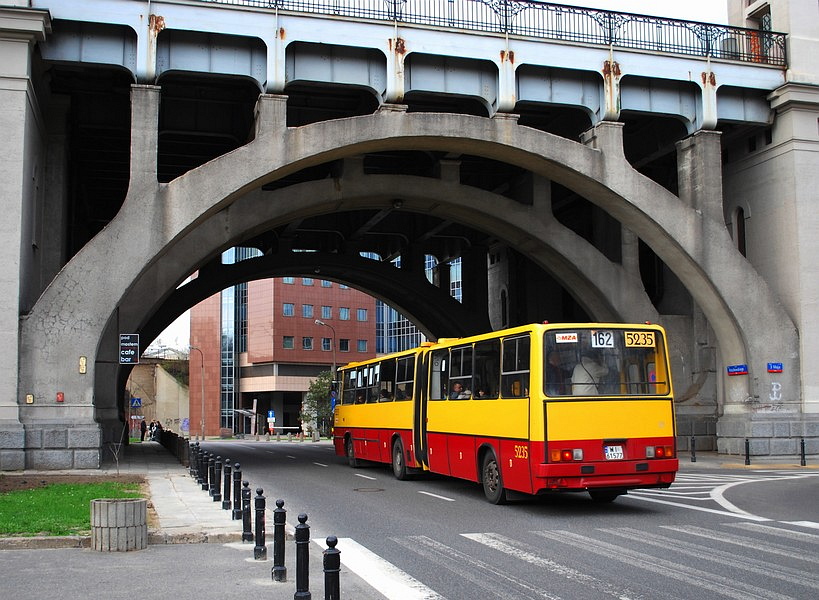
x=302 y=559
x=332 y=568
x=693 y=449
x=206 y=471
x=199 y=473
x=192 y=460
x=226 y=492
x=237 y=492
x=211 y=473
x=259 y=550
x=216 y=484
x=247 y=533
x=279 y=571
x=802 y=452
x=747 y=452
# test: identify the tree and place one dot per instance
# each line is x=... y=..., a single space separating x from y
x=317 y=410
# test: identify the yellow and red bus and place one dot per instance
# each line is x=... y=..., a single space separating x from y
x=532 y=409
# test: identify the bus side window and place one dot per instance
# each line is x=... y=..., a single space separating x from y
x=515 y=367
x=486 y=378
x=439 y=375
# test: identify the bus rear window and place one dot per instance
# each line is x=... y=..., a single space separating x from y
x=604 y=362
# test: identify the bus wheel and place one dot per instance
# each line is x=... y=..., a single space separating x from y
x=351 y=459
x=492 y=481
x=399 y=465
x=604 y=496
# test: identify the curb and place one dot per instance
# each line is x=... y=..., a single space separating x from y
x=155 y=537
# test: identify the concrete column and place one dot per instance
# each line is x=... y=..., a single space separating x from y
x=699 y=172
x=474 y=282
x=145 y=101
x=20 y=29
x=55 y=200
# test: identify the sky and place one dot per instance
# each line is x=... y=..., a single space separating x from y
x=710 y=11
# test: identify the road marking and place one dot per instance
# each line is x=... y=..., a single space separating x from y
x=744 y=541
x=810 y=524
x=318 y=464
x=517 y=550
x=719 y=557
x=382 y=575
x=365 y=476
x=437 y=496
x=713 y=582
x=494 y=581
x=290 y=456
x=700 y=508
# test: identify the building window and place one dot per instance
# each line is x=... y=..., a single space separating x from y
x=326 y=312
x=739 y=230
x=325 y=283
x=362 y=345
x=307 y=311
x=326 y=344
x=344 y=345
x=288 y=309
x=288 y=280
x=361 y=314
x=306 y=343
x=344 y=313
x=287 y=342
x=307 y=281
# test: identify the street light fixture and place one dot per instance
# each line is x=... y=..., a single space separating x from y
x=320 y=322
x=202 y=375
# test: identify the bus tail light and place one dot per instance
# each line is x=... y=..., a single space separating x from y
x=566 y=455
x=659 y=451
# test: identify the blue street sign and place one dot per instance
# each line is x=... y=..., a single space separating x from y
x=136 y=402
x=737 y=369
x=271 y=414
x=774 y=367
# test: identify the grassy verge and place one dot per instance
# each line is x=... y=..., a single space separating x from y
x=57 y=509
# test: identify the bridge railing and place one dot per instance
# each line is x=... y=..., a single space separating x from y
x=533 y=19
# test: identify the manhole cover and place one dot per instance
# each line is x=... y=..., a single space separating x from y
x=368 y=489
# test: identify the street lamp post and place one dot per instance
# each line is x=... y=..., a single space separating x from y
x=202 y=375
x=320 y=322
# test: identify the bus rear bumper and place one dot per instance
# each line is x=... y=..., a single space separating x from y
x=619 y=474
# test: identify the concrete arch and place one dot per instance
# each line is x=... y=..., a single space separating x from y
x=70 y=317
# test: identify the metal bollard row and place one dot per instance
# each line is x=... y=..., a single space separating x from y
x=220 y=480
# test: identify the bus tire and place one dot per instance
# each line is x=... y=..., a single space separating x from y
x=350 y=450
x=605 y=496
x=492 y=479
x=399 y=463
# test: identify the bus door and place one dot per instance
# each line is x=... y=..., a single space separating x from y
x=420 y=408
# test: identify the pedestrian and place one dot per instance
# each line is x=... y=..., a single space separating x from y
x=143 y=428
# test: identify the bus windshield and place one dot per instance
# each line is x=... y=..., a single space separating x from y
x=604 y=362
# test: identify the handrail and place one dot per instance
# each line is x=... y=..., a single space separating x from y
x=539 y=20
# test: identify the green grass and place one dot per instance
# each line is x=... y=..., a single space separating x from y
x=56 y=509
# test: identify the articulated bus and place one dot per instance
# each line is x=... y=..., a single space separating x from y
x=534 y=409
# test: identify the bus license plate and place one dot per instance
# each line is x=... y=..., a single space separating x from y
x=613 y=452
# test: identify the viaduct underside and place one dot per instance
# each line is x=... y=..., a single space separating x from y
x=128 y=278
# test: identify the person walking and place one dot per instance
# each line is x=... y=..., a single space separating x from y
x=143 y=428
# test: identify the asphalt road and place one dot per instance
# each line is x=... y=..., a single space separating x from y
x=716 y=533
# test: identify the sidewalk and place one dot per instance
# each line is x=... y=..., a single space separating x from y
x=196 y=549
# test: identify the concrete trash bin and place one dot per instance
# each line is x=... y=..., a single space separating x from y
x=119 y=524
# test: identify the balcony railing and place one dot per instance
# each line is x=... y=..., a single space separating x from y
x=539 y=20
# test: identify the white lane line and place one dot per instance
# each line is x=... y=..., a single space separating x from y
x=810 y=524
x=516 y=550
x=437 y=496
x=700 y=508
x=383 y=576
x=290 y=456
x=318 y=464
x=364 y=476
x=744 y=542
x=713 y=583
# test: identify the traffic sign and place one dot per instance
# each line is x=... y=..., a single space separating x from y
x=136 y=402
